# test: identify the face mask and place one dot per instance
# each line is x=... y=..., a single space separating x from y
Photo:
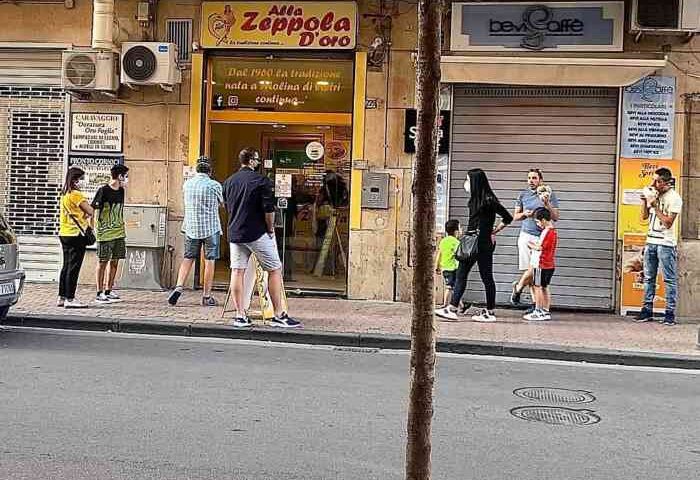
x=82 y=183
x=467 y=185
x=124 y=181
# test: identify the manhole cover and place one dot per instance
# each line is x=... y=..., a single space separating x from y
x=556 y=415
x=554 y=395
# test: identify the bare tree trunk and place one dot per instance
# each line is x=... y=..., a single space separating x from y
x=420 y=409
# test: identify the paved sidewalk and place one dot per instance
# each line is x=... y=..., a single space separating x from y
x=594 y=331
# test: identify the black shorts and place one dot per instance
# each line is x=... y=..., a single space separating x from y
x=450 y=277
x=543 y=277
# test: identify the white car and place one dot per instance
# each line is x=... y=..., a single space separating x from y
x=11 y=276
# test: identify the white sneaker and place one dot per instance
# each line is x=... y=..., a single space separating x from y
x=74 y=304
x=60 y=302
x=538 y=316
x=446 y=313
x=101 y=298
x=484 y=317
x=113 y=297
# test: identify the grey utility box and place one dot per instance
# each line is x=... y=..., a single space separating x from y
x=375 y=190
x=145 y=246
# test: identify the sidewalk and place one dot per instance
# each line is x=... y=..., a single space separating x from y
x=568 y=330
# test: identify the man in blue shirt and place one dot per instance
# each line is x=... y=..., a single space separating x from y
x=525 y=206
x=202 y=228
x=250 y=203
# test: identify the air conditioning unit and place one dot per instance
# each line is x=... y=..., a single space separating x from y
x=665 y=16
x=150 y=63
x=90 y=70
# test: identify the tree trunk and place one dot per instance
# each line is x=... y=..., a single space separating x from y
x=420 y=409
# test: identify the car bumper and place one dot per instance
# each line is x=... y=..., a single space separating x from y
x=16 y=278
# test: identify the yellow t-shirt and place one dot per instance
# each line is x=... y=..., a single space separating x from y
x=70 y=203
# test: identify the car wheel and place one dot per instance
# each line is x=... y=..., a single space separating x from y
x=3 y=312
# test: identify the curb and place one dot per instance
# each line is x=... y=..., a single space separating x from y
x=357 y=340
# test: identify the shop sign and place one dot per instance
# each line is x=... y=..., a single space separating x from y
x=555 y=26
x=277 y=25
x=282 y=85
x=410 y=131
x=283 y=185
x=648 y=114
x=97 y=169
x=97 y=132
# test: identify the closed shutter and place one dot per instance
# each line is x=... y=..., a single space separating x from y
x=571 y=135
x=30 y=66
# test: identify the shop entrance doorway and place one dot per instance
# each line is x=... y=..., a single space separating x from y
x=310 y=166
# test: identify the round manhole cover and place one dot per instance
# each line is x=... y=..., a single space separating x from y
x=554 y=395
x=556 y=415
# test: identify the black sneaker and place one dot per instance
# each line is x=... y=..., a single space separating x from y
x=285 y=321
x=209 y=301
x=530 y=309
x=515 y=295
x=669 y=319
x=646 y=315
x=174 y=296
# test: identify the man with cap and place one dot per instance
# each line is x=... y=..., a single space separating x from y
x=202 y=228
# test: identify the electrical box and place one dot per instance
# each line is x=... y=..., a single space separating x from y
x=145 y=225
x=375 y=190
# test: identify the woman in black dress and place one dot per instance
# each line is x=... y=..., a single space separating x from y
x=483 y=208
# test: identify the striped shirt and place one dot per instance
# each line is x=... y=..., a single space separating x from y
x=202 y=199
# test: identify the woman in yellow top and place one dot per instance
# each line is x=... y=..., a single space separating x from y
x=76 y=216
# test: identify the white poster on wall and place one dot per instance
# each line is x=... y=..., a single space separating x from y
x=648 y=112
x=97 y=132
x=97 y=170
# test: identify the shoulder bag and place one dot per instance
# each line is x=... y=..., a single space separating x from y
x=468 y=246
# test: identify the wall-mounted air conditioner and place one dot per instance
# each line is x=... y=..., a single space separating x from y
x=665 y=16
x=150 y=63
x=90 y=70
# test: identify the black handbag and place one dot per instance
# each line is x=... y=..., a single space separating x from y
x=468 y=246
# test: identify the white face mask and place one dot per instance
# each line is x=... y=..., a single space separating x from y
x=124 y=181
x=467 y=185
x=82 y=183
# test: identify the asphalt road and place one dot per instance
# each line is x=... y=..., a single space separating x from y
x=93 y=406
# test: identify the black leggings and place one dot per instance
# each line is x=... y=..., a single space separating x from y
x=485 y=261
x=73 y=254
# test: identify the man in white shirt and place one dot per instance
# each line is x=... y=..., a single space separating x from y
x=662 y=240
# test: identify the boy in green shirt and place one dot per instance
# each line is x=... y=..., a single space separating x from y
x=446 y=261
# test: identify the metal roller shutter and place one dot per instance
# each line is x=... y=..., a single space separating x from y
x=571 y=135
x=30 y=66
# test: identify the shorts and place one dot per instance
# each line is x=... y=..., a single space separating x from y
x=211 y=247
x=265 y=250
x=543 y=277
x=450 y=277
x=524 y=252
x=111 y=250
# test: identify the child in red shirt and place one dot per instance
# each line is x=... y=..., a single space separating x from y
x=544 y=268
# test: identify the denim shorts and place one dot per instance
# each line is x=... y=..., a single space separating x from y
x=450 y=277
x=211 y=247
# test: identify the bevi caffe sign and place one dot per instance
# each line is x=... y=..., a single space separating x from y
x=269 y=25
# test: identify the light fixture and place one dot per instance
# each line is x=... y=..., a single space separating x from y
x=279 y=125
x=324 y=83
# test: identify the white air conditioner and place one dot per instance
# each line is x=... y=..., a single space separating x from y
x=88 y=70
x=665 y=16
x=150 y=63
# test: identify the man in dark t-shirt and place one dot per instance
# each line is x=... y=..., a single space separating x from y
x=110 y=232
x=250 y=203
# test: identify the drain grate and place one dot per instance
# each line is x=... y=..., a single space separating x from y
x=556 y=415
x=554 y=395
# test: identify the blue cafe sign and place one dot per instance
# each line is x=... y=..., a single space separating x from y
x=556 y=26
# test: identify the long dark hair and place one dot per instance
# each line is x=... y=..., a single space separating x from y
x=73 y=175
x=480 y=190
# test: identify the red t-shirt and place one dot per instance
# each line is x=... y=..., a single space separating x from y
x=549 y=247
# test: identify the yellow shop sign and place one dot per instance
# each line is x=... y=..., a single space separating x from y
x=269 y=25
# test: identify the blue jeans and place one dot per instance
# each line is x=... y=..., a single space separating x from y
x=668 y=256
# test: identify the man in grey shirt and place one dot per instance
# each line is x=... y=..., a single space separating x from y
x=528 y=201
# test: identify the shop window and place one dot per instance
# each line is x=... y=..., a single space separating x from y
x=180 y=33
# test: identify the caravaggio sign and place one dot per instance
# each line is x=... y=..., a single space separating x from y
x=282 y=85
x=277 y=25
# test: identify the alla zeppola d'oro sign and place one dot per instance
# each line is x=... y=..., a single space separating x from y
x=550 y=26
x=270 y=25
